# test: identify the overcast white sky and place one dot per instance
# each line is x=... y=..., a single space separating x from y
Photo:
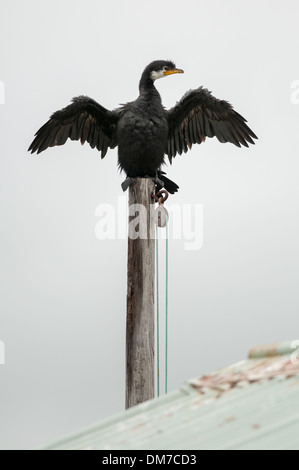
x=63 y=291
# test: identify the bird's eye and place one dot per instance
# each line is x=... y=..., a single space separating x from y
x=166 y=68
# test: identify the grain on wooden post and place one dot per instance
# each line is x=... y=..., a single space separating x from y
x=140 y=334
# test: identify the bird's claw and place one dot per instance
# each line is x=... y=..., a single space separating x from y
x=128 y=181
x=159 y=183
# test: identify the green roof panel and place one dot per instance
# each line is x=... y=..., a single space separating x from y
x=253 y=405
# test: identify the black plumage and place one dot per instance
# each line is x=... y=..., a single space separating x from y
x=144 y=130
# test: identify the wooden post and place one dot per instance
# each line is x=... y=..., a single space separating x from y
x=140 y=339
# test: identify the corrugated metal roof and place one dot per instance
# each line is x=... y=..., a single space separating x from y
x=253 y=405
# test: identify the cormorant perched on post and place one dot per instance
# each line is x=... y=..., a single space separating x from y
x=144 y=130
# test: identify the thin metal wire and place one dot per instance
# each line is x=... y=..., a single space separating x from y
x=158 y=310
x=166 y=312
x=158 y=313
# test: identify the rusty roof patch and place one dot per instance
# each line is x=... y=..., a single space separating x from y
x=268 y=369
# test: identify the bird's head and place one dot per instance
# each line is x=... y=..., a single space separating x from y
x=161 y=68
x=158 y=69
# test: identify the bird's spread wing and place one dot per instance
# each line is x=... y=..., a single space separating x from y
x=199 y=115
x=84 y=120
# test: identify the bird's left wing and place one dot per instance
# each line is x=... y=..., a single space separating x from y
x=84 y=120
x=199 y=115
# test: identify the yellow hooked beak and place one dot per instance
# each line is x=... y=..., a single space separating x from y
x=170 y=72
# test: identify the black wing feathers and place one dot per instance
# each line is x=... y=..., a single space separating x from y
x=199 y=115
x=84 y=120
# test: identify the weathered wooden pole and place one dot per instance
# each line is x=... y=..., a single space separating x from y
x=140 y=334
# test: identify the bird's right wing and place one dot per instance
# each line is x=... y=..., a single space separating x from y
x=84 y=120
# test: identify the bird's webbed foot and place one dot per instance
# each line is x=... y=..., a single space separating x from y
x=159 y=183
x=128 y=181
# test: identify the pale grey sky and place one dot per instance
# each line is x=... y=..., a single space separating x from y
x=63 y=291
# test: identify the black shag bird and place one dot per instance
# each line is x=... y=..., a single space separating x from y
x=144 y=130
